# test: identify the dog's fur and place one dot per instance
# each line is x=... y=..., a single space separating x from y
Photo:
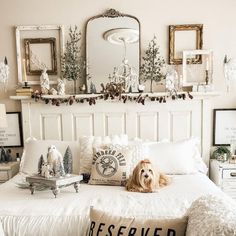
x=145 y=179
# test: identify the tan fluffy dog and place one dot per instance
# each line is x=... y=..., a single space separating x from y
x=145 y=179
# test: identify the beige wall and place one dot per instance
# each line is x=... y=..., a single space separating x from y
x=217 y=16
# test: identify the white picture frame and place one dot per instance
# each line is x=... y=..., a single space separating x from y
x=19 y=53
x=224 y=127
x=209 y=66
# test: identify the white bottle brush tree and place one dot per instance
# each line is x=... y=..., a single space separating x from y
x=153 y=64
x=71 y=61
x=68 y=161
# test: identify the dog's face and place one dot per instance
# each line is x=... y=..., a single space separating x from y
x=145 y=174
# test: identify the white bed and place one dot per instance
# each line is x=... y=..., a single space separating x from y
x=40 y=214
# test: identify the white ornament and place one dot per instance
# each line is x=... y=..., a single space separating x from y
x=171 y=78
x=44 y=82
x=60 y=87
x=230 y=71
x=4 y=73
x=55 y=160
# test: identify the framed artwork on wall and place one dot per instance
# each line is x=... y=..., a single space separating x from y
x=12 y=136
x=39 y=46
x=184 y=37
x=224 y=127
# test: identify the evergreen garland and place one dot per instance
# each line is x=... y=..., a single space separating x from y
x=71 y=61
x=153 y=64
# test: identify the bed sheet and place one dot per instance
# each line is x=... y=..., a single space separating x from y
x=41 y=214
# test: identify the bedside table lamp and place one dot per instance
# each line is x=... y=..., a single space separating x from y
x=3 y=116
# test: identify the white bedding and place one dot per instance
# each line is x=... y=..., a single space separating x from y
x=40 y=214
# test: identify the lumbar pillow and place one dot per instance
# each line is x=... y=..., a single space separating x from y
x=174 y=158
x=36 y=149
x=212 y=215
x=110 y=166
x=106 y=224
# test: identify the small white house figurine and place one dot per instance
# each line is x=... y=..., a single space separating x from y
x=55 y=161
x=60 y=87
x=46 y=170
x=44 y=82
x=52 y=91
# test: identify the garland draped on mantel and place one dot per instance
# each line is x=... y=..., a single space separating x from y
x=92 y=98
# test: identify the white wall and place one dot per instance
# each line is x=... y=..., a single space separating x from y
x=217 y=16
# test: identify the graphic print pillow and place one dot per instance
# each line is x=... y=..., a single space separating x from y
x=110 y=165
x=103 y=223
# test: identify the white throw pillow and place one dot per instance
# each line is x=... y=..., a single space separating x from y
x=212 y=215
x=111 y=165
x=174 y=158
x=87 y=143
x=103 y=223
x=35 y=148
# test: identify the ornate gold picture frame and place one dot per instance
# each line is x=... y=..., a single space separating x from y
x=184 y=37
x=40 y=53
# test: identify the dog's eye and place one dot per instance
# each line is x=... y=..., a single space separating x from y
x=150 y=170
x=142 y=171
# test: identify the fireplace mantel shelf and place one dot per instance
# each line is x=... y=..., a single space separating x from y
x=196 y=95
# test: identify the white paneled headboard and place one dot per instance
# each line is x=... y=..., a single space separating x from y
x=174 y=120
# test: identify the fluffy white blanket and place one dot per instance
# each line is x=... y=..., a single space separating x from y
x=212 y=215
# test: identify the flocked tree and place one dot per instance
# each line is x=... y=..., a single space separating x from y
x=68 y=161
x=71 y=61
x=40 y=163
x=153 y=64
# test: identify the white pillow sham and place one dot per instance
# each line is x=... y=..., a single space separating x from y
x=35 y=148
x=180 y=157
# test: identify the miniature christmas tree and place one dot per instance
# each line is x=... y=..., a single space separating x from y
x=58 y=169
x=68 y=161
x=3 y=156
x=153 y=64
x=72 y=64
x=40 y=163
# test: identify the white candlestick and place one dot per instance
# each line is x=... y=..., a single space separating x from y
x=24 y=70
x=207 y=64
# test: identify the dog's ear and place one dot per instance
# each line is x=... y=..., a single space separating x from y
x=135 y=175
x=163 y=180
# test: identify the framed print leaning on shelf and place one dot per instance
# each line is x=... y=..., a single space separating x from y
x=12 y=135
x=224 y=127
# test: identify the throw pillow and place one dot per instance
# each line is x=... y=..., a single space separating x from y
x=174 y=158
x=212 y=215
x=87 y=143
x=111 y=165
x=102 y=223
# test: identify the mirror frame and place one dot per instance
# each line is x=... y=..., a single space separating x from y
x=110 y=13
x=52 y=43
x=199 y=42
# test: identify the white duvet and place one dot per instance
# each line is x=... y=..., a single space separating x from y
x=41 y=214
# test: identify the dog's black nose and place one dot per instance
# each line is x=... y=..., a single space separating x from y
x=146 y=176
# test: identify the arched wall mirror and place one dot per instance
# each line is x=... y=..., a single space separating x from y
x=112 y=50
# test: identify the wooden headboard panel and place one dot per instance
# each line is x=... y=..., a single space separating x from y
x=174 y=120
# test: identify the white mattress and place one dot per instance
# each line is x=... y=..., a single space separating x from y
x=41 y=214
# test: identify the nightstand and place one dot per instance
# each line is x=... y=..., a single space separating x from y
x=223 y=175
x=8 y=170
